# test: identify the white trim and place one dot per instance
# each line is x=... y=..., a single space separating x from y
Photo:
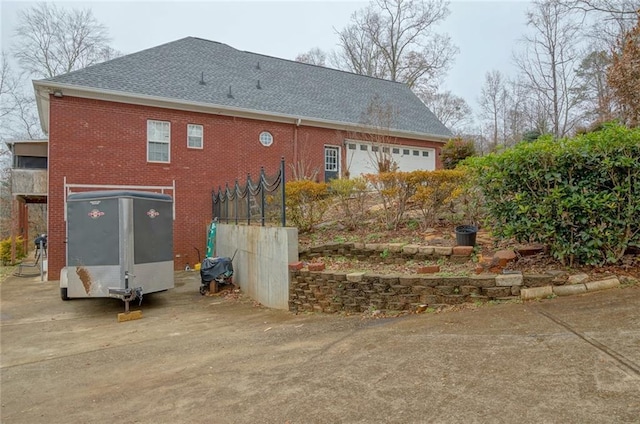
x=201 y=136
x=45 y=88
x=168 y=143
x=338 y=159
x=265 y=142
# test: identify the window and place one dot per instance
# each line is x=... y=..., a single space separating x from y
x=30 y=162
x=374 y=148
x=363 y=147
x=385 y=150
x=331 y=159
x=158 y=141
x=194 y=136
x=416 y=153
x=425 y=154
x=396 y=150
x=405 y=151
x=352 y=147
x=266 y=139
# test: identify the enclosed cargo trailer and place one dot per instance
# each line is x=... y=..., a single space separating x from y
x=119 y=244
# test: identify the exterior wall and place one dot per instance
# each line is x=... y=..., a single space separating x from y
x=98 y=142
x=32 y=182
x=30 y=148
x=260 y=264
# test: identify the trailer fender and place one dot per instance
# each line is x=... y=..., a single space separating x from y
x=64 y=280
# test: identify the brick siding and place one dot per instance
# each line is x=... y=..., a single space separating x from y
x=100 y=142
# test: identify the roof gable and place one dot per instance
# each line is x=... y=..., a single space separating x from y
x=207 y=72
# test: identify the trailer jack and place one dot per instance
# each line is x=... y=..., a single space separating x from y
x=127 y=294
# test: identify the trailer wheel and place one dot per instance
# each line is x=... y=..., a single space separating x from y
x=63 y=293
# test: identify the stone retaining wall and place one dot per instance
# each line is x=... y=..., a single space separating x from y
x=315 y=289
x=329 y=291
x=386 y=252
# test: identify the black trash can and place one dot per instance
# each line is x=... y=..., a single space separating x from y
x=466 y=235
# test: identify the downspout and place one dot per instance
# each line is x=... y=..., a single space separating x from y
x=295 y=142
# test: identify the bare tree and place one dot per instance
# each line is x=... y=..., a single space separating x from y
x=606 y=20
x=517 y=109
x=51 y=41
x=493 y=103
x=315 y=56
x=548 y=63
x=375 y=127
x=8 y=85
x=395 y=40
x=18 y=118
x=453 y=111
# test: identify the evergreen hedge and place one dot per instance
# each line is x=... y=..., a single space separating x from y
x=579 y=196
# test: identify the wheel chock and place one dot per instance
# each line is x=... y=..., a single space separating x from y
x=129 y=316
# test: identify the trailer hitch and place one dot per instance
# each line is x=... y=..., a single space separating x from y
x=127 y=294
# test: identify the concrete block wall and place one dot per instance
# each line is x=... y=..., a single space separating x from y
x=261 y=261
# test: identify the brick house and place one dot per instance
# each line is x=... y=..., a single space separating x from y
x=190 y=115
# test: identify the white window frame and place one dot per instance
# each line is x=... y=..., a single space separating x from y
x=197 y=137
x=332 y=159
x=163 y=138
x=265 y=138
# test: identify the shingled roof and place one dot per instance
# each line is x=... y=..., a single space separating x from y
x=203 y=72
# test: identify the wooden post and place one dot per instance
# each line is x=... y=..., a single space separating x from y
x=14 y=228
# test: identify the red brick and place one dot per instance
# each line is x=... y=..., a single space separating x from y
x=296 y=266
x=507 y=255
x=316 y=266
x=430 y=269
x=463 y=250
x=105 y=143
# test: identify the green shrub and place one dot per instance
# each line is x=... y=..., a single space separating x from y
x=579 y=196
x=307 y=202
x=5 y=250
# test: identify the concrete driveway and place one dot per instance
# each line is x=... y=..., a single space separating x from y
x=195 y=359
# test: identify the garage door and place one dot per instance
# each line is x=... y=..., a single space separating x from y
x=361 y=157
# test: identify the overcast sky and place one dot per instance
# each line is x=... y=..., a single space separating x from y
x=485 y=32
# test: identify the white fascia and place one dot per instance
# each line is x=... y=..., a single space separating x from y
x=44 y=88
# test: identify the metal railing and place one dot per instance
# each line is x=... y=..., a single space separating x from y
x=262 y=201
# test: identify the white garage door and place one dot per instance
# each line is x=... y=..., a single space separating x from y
x=361 y=157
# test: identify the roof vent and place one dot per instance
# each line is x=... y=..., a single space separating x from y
x=202 y=79
x=258 y=65
x=258 y=86
x=229 y=94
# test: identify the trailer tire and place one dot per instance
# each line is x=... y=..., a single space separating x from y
x=63 y=293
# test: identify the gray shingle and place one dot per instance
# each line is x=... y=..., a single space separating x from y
x=174 y=71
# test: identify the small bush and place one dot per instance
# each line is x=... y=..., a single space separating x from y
x=5 y=250
x=350 y=195
x=306 y=202
x=435 y=191
x=395 y=189
x=456 y=150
